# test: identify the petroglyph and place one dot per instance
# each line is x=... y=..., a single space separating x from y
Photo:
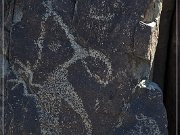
x=27 y=71
x=98 y=13
x=54 y=46
x=125 y=108
x=101 y=17
x=40 y=40
x=145 y=126
x=57 y=87
x=97 y=106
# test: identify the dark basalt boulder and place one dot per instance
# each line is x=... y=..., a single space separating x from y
x=84 y=68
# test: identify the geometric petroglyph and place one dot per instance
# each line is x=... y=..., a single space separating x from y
x=57 y=87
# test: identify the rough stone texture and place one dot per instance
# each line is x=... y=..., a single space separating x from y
x=83 y=68
x=161 y=57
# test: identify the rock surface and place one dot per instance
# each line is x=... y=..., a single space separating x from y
x=82 y=68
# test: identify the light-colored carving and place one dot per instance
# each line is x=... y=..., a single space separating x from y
x=145 y=126
x=57 y=87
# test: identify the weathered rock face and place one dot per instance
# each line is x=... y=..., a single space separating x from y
x=82 y=68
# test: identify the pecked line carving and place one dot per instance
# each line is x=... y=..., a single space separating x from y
x=58 y=87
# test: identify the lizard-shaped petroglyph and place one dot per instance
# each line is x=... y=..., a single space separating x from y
x=58 y=86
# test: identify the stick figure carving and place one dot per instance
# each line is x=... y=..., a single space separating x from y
x=58 y=87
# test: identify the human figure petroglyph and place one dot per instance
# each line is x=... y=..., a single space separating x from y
x=58 y=87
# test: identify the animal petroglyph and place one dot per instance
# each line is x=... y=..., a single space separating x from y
x=58 y=87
